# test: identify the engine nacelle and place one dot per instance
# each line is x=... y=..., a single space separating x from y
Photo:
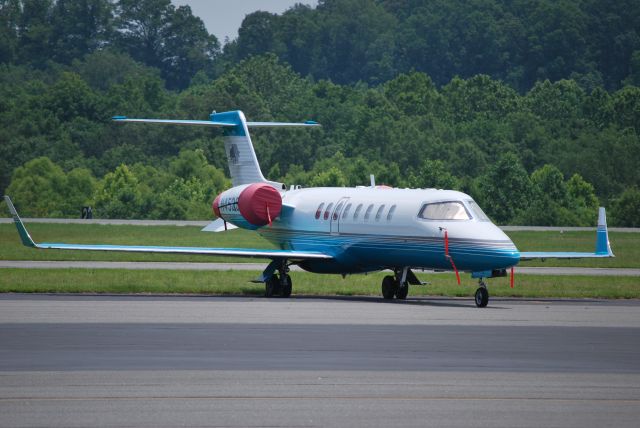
x=249 y=206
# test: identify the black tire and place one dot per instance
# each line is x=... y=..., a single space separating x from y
x=286 y=287
x=482 y=297
x=389 y=287
x=271 y=286
x=402 y=292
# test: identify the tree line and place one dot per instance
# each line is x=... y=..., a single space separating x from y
x=152 y=32
x=546 y=155
x=520 y=42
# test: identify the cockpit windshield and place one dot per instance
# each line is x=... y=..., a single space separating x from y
x=450 y=210
x=477 y=211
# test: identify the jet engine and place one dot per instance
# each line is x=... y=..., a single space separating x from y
x=249 y=206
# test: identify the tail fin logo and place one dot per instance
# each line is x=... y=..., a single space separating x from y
x=234 y=154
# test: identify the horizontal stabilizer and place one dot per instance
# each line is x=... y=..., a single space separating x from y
x=216 y=122
x=123 y=119
x=281 y=124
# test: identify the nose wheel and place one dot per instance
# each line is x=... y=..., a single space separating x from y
x=482 y=295
x=396 y=286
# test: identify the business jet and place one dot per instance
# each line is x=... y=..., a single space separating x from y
x=345 y=230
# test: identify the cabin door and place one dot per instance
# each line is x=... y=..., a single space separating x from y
x=336 y=214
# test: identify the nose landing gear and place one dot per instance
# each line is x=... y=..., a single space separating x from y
x=482 y=294
x=397 y=285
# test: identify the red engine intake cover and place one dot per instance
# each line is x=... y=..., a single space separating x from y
x=259 y=204
x=216 y=205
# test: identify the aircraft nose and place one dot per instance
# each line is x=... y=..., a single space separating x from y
x=514 y=256
x=508 y=252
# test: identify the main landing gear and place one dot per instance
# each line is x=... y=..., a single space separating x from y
x=280 y=283
x=482 y=294
x=396 y=286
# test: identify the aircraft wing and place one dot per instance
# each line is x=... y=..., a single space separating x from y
x=532 y=255
x=603 y=247
x=237 y=252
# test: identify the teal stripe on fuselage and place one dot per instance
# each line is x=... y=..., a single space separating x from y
x=391 y=251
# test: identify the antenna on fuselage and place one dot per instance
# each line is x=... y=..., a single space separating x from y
x=373 y=180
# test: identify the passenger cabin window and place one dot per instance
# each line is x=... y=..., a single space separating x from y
x=368 y=213
x=345 y=213
x=391 y=211
x=453 y=210
x=477 y=211
x=336 y=212
x=357 y=213
x=327 y=211
x=379 y=213
x=319 y=210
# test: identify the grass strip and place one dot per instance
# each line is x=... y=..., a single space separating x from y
x=236 y=283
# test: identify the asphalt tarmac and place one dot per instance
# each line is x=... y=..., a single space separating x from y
x=211 y=361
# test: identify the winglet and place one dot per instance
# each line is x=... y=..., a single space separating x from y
x=24 y=235
x=603 y=247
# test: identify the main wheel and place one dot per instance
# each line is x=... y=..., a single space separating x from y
x=482 y=297
x=286 y=286
x=402 y=292
x=388 y=287
x=271 y=286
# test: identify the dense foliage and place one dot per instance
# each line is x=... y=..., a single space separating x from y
x=595 y=42
x=542 y=145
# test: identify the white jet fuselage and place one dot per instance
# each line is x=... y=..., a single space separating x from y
x=372 y=228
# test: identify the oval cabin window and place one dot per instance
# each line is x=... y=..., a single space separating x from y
x=327 y=211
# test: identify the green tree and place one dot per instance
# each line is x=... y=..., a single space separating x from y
x=42 y=189
x=583 y=202
x=625 y=104
x=505 y=189
x=34 y=31
x=332 y=177
x=9 y=19
x=119 y=195
x=79 y=27
x=433 y=174
x=548 y=198
x=626 y=210
x=38 y=188
x=171 y=39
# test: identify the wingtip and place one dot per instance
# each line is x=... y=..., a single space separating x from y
x=12 y=209
x=602 y=217
x=22 y=230
x=603 y=245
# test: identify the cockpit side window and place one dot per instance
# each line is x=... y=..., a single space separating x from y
x=451 y=210
x=477 y=211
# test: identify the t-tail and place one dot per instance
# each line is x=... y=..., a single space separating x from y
x=241 y=157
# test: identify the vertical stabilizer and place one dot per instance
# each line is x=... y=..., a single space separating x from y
x=241 y=157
